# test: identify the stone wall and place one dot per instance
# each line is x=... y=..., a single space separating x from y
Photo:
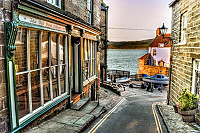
x=5 y=16
x=79 y=8
x=183 y=55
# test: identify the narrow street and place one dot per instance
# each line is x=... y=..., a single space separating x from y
x=134 y=114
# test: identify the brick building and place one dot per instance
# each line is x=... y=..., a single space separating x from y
x=186 y=47
x=49 y=58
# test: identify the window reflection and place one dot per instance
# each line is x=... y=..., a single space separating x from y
x=35 y=89
x=21 y=51
x=54 y=59
x=45 y=48
x=46 y=85
x=34 y=49
x=22 y=94
x=62 y=79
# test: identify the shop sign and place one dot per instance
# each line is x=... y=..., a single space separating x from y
x=40 y=22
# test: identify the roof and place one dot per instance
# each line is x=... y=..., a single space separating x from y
x=144 y=56
x=159 y=39
x=172 y=3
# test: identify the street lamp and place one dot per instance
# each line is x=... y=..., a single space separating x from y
x=163 y=30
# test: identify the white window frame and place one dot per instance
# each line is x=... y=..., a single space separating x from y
x=89 y=10
x=196 y=67
x=183 y=28
x=28 y=72
x=53 y=2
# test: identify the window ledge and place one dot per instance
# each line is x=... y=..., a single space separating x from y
x=87 y=81
x=182 y=43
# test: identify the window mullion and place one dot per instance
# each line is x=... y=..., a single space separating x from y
x=28 y=68
x=58 y=69
x=66 y=63
x=40 y=67
x=50 y=75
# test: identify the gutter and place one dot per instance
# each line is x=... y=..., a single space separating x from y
x=173 y=2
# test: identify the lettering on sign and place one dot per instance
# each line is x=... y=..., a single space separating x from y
x=39 y=22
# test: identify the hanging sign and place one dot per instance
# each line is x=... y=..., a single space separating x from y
x=40 y=22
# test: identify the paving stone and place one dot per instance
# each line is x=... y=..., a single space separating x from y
x=80 y=103
x=67 y=119
x=51 y=125
x=84 y=120
x=89 y=107
x=98 y=111
x=37 y=130
x=68 y=129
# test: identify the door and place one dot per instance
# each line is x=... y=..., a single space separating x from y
x=76 y=65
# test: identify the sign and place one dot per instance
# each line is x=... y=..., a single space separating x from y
x=40 y=22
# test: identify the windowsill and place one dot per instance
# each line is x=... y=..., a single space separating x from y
x=87 y=81
x=46 y=105
x=182 y=43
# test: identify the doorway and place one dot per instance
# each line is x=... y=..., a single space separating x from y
x=76 y=66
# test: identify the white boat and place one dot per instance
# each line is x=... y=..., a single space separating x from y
x=122 y=80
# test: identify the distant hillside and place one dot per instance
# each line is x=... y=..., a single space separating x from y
x=143 y=44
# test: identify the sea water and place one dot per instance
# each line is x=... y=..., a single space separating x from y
x=128 y=60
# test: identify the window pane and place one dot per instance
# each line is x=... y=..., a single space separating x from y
x=22 y=94
x=62 y=79
x=54 y=71
x=45 y=48
x=35 y=89
x=54 y=51
x=34 y=49
x=46 y=85
x=21 y=51
x=62 y=50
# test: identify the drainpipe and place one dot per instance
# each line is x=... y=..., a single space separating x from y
x=170 y=72
x=106 y=42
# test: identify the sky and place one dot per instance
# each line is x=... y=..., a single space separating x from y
x=137 y=14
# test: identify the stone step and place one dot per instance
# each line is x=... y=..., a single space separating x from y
x=89 y=107
x=98 y=111
x=80 y=104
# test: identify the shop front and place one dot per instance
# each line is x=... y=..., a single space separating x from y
x=51 y=59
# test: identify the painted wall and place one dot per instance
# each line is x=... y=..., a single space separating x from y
x=161 y=54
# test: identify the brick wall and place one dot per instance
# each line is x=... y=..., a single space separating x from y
x=183 y=55
x=5 y=7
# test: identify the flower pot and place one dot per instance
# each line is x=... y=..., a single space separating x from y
x=188 y=116
x=197 y=119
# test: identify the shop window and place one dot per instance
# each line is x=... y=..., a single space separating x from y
x=22 y=94
x=35 y=89
x=21 y=51
x=183 y=27
x=34 y=50
x=89 y=10
x=90 y=51
x=56 y=3
x=40 y=76
x=45 y=49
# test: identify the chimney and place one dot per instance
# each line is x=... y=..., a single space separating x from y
x=158 y=31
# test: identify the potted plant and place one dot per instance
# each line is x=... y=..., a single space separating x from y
x=188 y=103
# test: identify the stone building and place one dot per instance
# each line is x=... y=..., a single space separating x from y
x=104 y=41
x=186 y=47
x=49 y=58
